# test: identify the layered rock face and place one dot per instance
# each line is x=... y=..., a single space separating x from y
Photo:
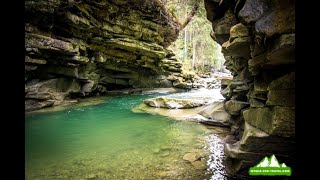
x=258 y=42
x=86 y=47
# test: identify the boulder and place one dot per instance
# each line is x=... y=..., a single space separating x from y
x=239 y=47
x=221 y=116
x=214 y=115
x=222 y=27
x=88 y=87
x=171 y=103
x=210 y=109
x=178 y=83
x=211 y=122
x=238 y=30
x=253 y=10
x=281 y=20
x=234 y=107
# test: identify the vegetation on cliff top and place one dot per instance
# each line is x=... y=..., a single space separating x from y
x=194 y=45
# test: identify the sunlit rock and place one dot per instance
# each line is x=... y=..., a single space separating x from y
x=171 y=103
x=234 y=107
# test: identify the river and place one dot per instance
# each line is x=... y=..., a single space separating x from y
x=102 y=138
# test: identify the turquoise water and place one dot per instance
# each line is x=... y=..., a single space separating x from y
x=109 y=141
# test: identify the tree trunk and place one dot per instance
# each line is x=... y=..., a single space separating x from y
x=185 y=39
x=193 y=52
x=185 y=45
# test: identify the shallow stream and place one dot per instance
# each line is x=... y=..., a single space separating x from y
x=107 y=140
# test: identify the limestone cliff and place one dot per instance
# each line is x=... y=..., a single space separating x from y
x=86 y=47
x=258 y=42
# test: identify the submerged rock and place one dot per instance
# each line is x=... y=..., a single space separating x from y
x=199 y=165
x=164 y=153
x=191 y=157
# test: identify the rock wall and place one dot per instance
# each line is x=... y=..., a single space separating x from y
x=258 y=42
x=86 y=47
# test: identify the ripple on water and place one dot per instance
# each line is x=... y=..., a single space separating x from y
x=216 y=157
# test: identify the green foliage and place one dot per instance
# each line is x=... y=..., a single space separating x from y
x=179 y=8
x=207 y=53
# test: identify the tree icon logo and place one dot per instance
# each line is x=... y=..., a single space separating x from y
x=270 y=167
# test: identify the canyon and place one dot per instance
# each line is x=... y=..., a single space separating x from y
x=83 y=48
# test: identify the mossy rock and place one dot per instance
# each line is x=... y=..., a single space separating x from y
x=279 y=121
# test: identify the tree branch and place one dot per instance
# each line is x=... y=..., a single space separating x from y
x=190 y=16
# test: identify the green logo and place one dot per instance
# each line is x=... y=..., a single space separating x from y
x=270 y=167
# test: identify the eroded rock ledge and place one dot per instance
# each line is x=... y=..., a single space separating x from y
x=258 y=42
x=172 y=103
x=87 y=47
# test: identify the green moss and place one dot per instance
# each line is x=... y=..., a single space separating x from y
x=34 y=61
x=113 y=52
x=137 y=47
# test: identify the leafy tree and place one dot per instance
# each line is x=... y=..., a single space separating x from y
x=194 y=45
